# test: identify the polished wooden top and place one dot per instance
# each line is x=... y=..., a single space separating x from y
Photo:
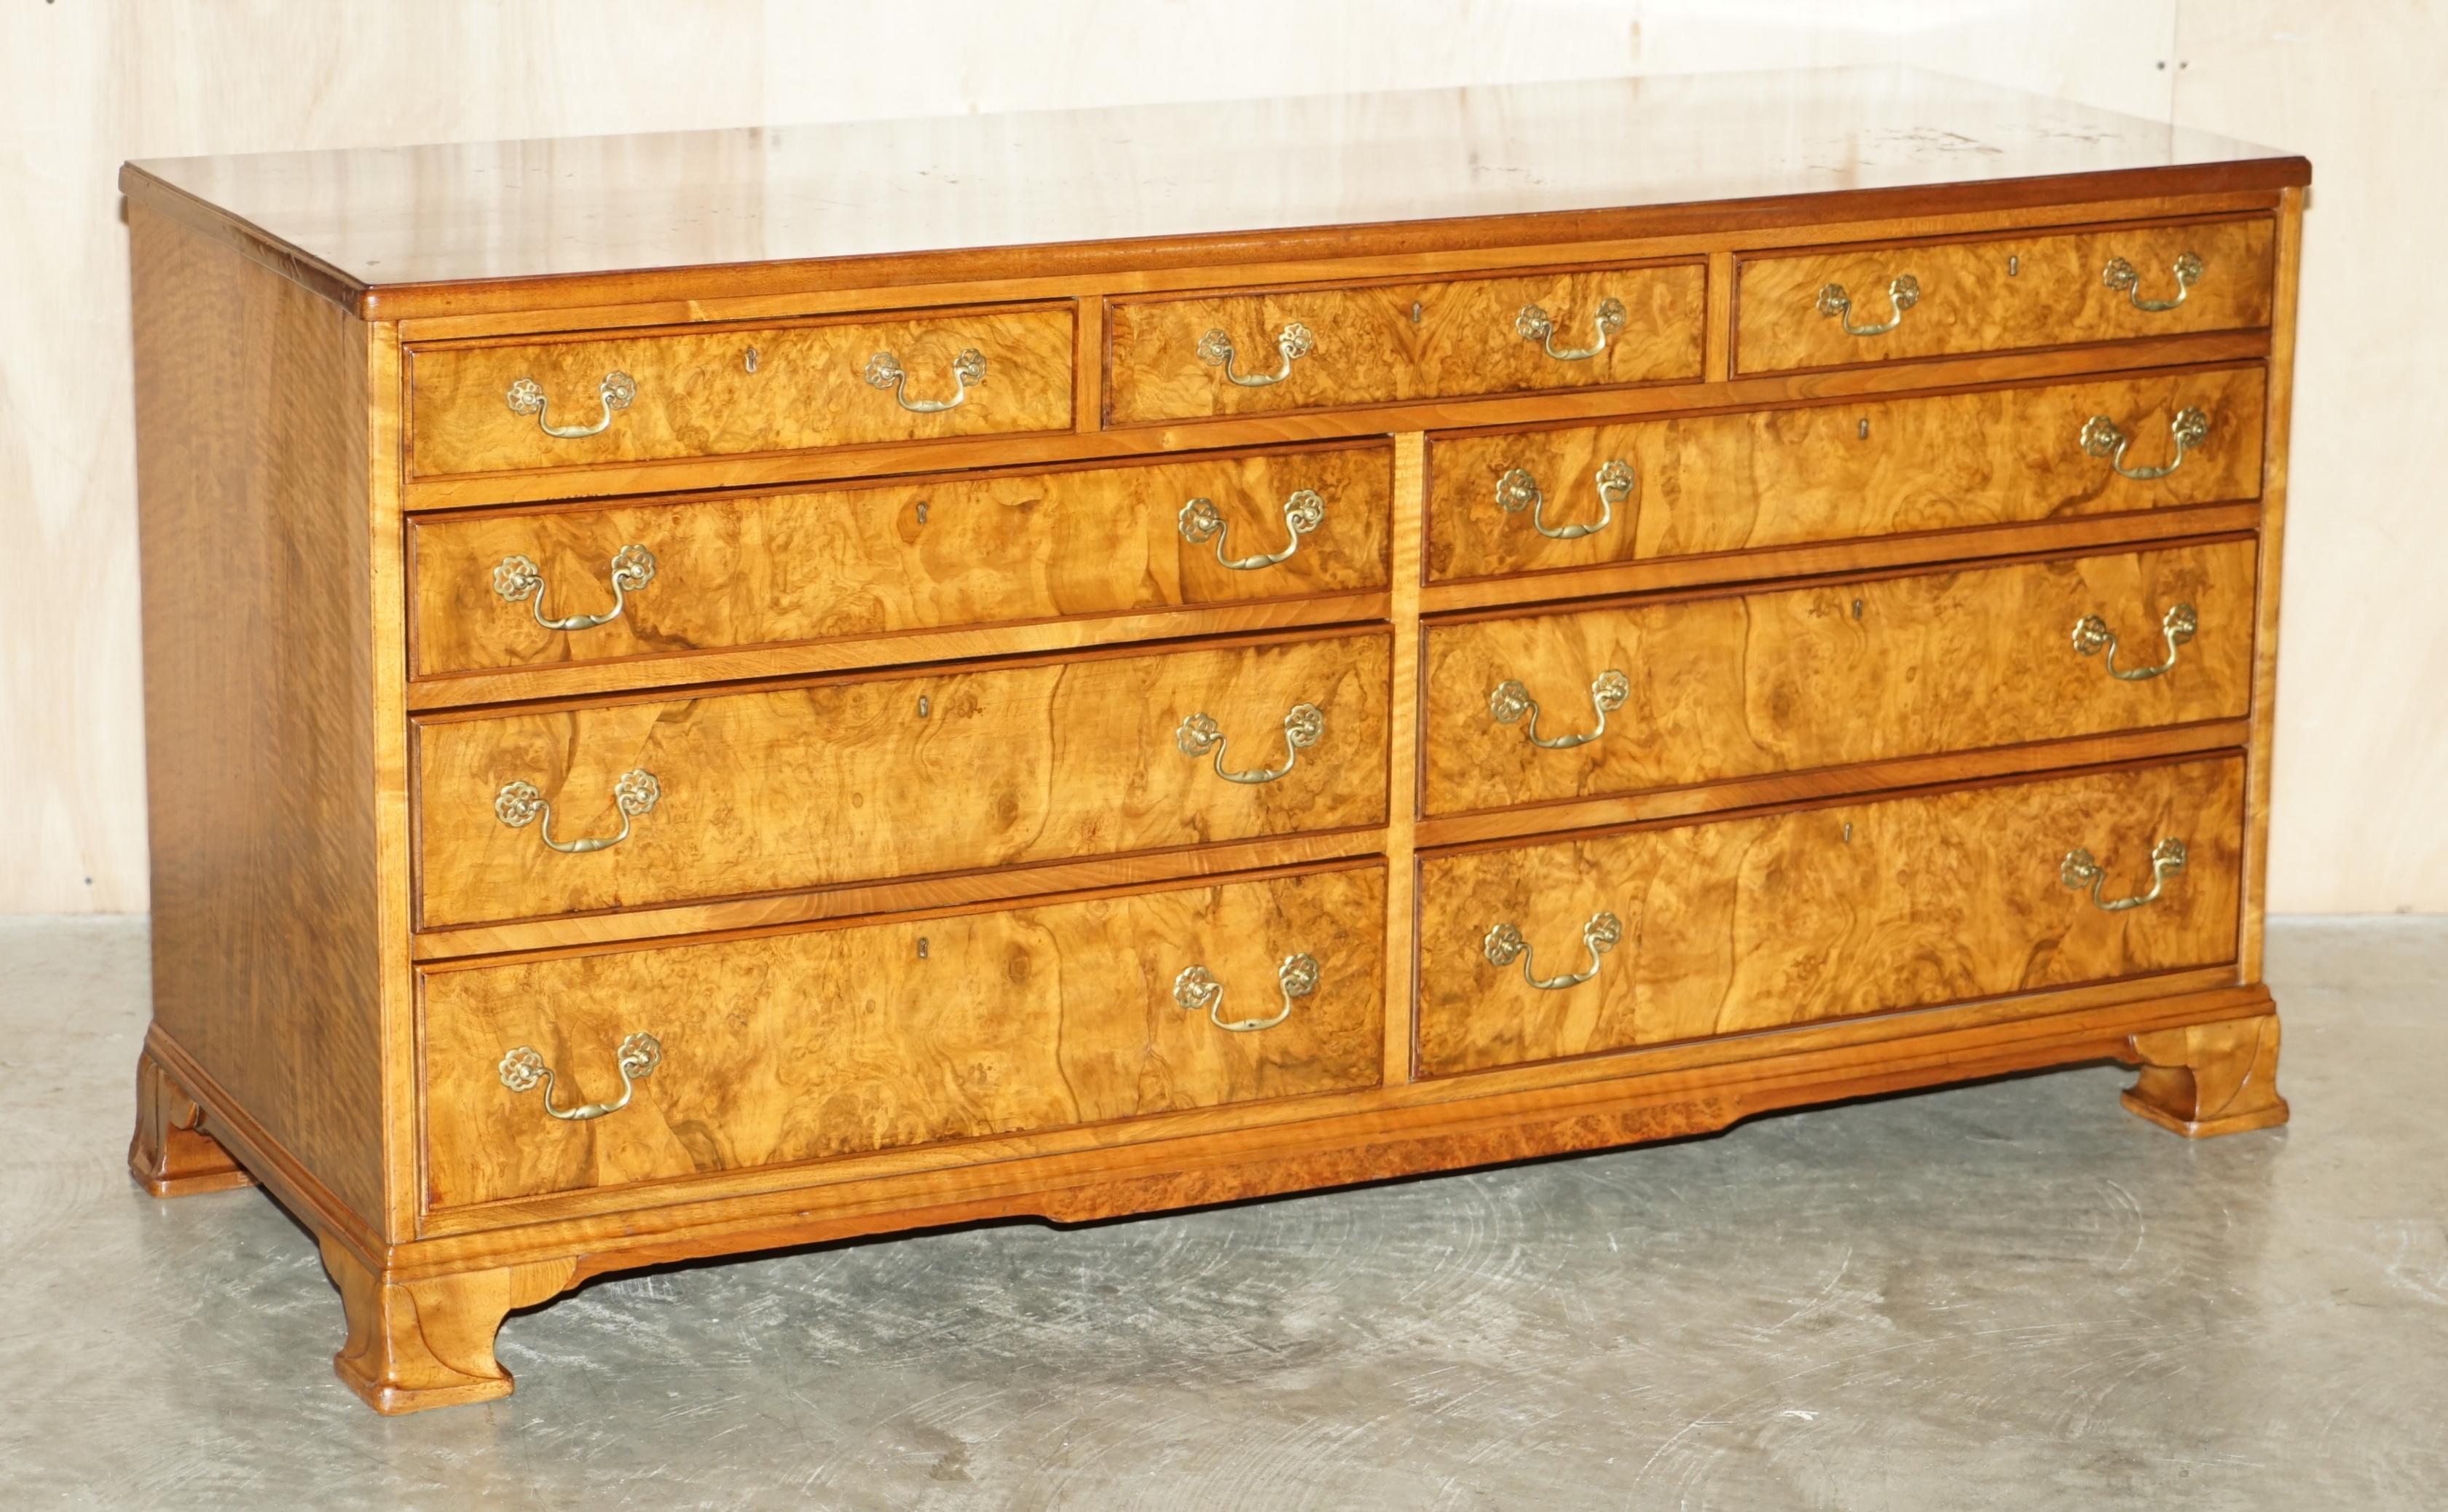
x=397 y=231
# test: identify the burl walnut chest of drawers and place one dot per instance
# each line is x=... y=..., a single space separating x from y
x=719 y=691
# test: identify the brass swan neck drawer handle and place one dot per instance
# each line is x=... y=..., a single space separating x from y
x=2092 y=636
x=1303 y=727
x=1505 y=945
x=616 y=391
x=2080 y=870
x=2101 y=438
x=1201 y=522
x=522 y=1069
x=1196 y=989
x=1215 y=350
x=518 y=581
x=1904 y=291
x=1534 y=324
x=1511 y=700
x=969 y=371
x=1517 y=490
x=520 y=804
x=2119 y=274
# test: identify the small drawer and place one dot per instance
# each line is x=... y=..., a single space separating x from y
x=646 y=395
x=1648 y=490
x=542 y=587
x=1314 y=346
x=1843 y=306
x=1625 y=698
x=692 y=1058
x=1737 y=925
x=861 y=779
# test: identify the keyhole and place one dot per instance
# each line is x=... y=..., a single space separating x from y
x=1862 y=432
x=1849 y=840
x=922 y=512
x=2014 y=267
x=1857 y=608
x=1416 y=312
x=922 y=939
x=924 y=707
x=751 y=360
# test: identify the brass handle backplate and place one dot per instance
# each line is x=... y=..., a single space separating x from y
x=615 y=393
x=1904 y=291
x=2102 y=438
x=1215 y=350
x=1505 y=945
x=518 y=581
x=1517 y=490
x=523 y=1068
x=1303 y=727
x=1200 y=522
x=520 y=804
x=1196 y=989
x=1511 y=701
x=2119 y=274
x=2092 y=636
x=969 y=371
x=2079 y=871
x=1534 y=324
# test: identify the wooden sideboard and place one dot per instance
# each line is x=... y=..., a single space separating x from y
x=717 y=691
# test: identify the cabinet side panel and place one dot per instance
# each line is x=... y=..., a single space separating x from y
x=251 y=476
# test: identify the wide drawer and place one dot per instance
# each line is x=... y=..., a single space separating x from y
x=1623 y=698
x=693 y=392
x=860 y=778
x=826 y=1042
x=1836 y=307
x=536 y=587
x=1735 y=926
x=1647 y=489
x=1313 y=346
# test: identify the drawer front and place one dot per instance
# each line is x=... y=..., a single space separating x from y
x=1387 y=342
x=638 y=398
x=1739 y=686
x=967 y=550
x=844 y=780
x=1743 y=925
x=837 y=1042
x=1690 y=487
x=1793 y=310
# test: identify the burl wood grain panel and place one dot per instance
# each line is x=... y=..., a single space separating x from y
x=696 y=394
x=825 y=1043
x=259 y=696
x=955 y=551
x=1706 y=484
x=844 y=780
x=1744 y=925
x=1376 y=343
x=1744 y=684
x=2055 y=294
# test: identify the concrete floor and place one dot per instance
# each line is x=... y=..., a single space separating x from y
x=2005 y=1295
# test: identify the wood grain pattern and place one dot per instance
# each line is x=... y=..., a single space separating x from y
x=1789 y=476
x=1388 y=342
x=2273 y=550
x=962 y=551
x=697 y=396
x=1970 y=302
x=846 y=780
x=1751 y=924
x=2206 y=1080
x=429 y=1343
x=171 y=1155
x=1738 y=685
x=799 y=1046
x=259 y=718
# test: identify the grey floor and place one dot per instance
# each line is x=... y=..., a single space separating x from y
x=2013 y=1294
